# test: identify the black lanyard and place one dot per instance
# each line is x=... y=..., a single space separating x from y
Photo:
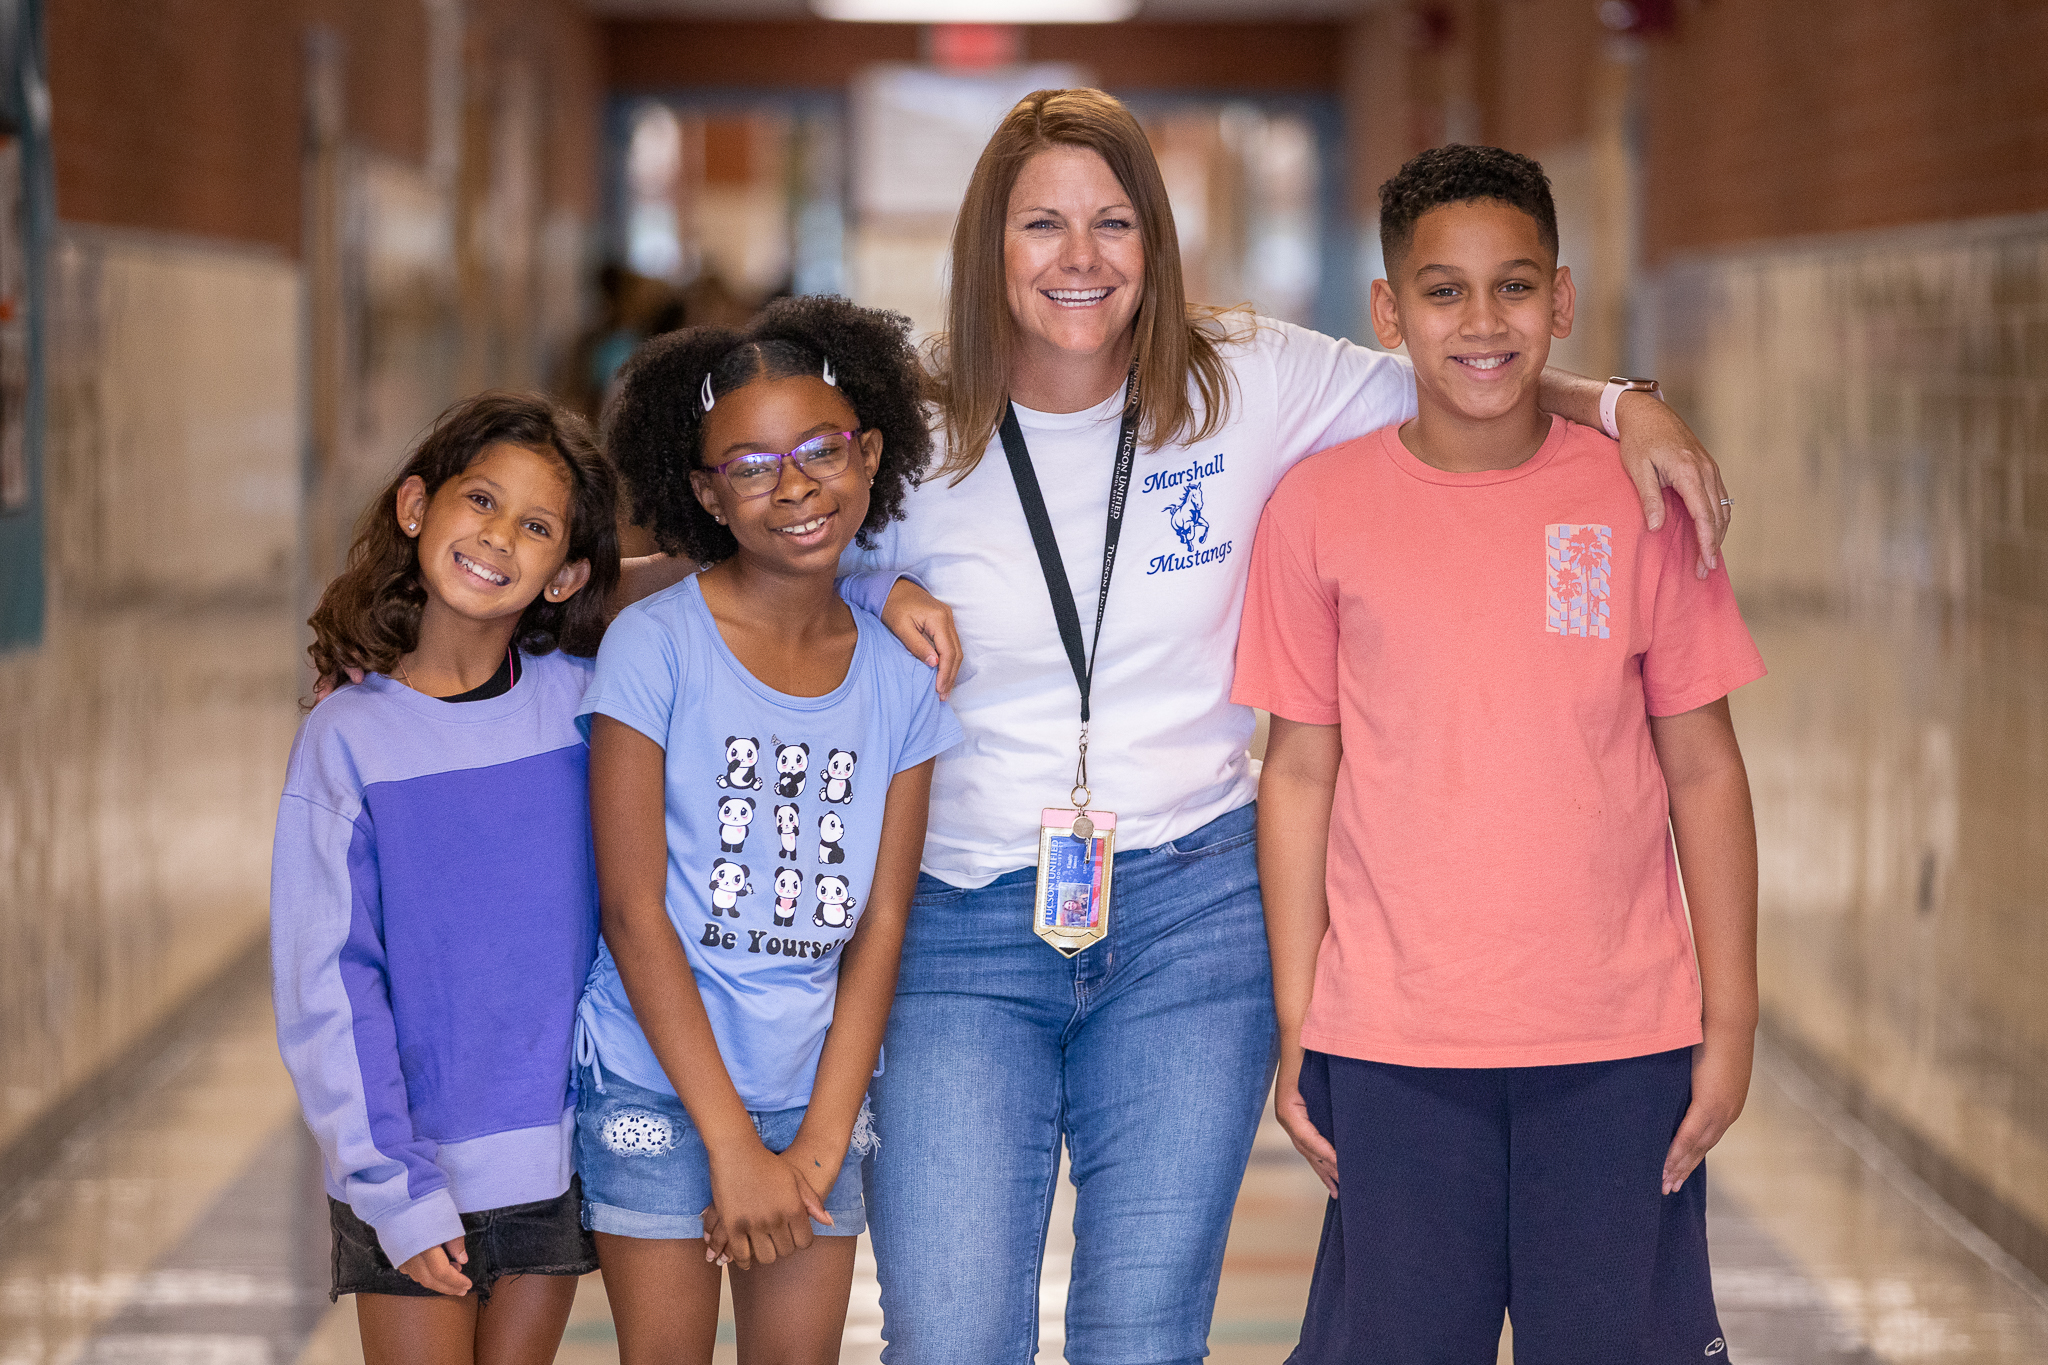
x=1048 y=548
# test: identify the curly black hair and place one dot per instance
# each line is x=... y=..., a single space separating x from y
x=1452 y=175
x=655 y=426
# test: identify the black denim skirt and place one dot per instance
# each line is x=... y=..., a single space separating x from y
x=544 y=1238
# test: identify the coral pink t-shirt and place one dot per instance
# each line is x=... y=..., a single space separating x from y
x=1502 y=886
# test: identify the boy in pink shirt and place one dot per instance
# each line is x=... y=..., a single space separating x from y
x=1496 y=696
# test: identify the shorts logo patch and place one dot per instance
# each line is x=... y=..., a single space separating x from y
x=1716 y=1346
x=637 y=1132
x=1577 y=562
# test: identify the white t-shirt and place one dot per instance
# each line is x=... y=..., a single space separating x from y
x=1166 y=744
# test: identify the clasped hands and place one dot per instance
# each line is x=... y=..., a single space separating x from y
x=763 y=1202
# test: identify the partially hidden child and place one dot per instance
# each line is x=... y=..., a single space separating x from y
x=1497 y=698
x=761 y=759
x=433 y=908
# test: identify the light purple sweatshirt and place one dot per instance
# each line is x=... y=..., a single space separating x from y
x=433 y=913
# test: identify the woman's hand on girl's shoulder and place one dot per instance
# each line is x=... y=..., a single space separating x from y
x=925 y=626
x=327 y=687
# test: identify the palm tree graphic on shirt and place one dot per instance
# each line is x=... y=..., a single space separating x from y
x=1578 y=560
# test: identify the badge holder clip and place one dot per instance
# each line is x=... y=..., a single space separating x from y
x=1076 y=852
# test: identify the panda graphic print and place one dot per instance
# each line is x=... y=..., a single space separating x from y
x=835 y=906
x=773 y=809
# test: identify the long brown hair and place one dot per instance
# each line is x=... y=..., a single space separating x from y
x=369 y=617
x=971 y=362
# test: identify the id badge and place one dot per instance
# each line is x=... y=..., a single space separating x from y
x=1075 y=851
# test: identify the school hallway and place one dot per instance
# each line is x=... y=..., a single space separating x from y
x=185 y=1225
x=250 y=248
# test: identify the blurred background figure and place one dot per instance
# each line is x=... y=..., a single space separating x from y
x=249 y=249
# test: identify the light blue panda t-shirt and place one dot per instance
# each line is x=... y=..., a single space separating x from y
x=774 y=809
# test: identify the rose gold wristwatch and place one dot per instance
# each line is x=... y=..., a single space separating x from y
x=1618 y=385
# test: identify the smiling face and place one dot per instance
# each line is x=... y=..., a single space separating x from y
x=806 y=521
x=1476 y=299
x=495 y=536
x=1073 y=259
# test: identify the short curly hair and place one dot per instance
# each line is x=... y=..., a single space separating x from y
x=1452 y=175
x=654 y=428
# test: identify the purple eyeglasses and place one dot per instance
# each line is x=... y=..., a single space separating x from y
x=759 y=472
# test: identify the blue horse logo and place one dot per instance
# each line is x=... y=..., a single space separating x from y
x=1188 y=521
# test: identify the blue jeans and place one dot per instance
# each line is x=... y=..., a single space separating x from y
x=1150 y=1054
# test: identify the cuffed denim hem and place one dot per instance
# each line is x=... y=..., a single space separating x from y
x=620 y=1222
x=683 y=1227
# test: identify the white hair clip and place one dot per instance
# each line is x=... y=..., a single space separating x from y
x=707 y=400
x=830 y=378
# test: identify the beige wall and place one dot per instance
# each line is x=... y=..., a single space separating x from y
x=290 y=234
x=142 y=744
x=1880 y=406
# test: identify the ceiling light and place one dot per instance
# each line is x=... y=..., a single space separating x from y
x=976 y=11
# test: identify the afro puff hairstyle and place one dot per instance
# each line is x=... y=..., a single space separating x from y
x=655 y=427
x=1454 y=174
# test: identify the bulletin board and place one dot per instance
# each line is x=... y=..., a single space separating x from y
x=27 y=217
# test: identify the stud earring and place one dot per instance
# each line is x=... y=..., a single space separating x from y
x=412 y=526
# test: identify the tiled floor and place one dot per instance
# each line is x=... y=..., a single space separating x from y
x=187 y=1228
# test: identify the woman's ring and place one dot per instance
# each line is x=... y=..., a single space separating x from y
x=1727 y=502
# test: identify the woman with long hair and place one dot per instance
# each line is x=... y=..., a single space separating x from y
x=1107 y=451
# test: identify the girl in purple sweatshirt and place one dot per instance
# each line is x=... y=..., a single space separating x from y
x=433 y=896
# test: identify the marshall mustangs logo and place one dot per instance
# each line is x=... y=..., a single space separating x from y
x=1185 y=516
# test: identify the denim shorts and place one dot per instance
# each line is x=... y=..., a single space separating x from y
x=646 y=1173
x=542 y=1238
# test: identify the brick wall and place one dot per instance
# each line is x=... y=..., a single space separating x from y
x=1769 y=118
x=187 y=116
x=178 y=115
x=1512 y=73
x=1759 y=119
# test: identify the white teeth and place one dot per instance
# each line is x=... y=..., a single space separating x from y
x=480 y=571
x=1489 y=363
x=804 y=529
x=1072 y=298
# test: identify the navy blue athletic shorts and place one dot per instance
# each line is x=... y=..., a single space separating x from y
x=1535 y=1190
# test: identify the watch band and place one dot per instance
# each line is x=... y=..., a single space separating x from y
x=1618 y=385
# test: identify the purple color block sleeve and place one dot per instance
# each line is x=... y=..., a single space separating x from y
x=341 y=1044
x=433 y=917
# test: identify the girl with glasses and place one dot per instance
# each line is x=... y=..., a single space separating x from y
x=735 y=1012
